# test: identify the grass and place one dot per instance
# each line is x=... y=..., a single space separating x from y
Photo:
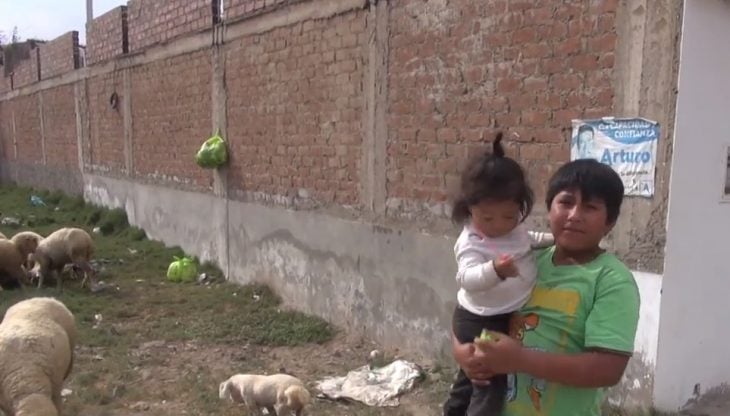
x=140 y=305
x=137 y=266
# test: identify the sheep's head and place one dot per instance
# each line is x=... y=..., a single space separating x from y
x=224 y=390
x=35 y=271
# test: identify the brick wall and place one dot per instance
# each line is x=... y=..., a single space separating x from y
x=235 y=9
x=463 y=70
x=457 y=73
x=152 y=21
x=294 y=109
x=171 y=109
x=106 y=36
x=6 y=132
x=5 y=84
x=28 y=129
x=106 y=147
x=60 y=55
x=26 y=72
x=59 y=127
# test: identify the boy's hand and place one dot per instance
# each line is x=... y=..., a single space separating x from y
x=502 y=355
x=505 y=267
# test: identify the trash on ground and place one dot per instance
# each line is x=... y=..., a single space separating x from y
x=37 y=201
x=373 y=387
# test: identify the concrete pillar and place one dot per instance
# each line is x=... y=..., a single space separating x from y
x=375 y=134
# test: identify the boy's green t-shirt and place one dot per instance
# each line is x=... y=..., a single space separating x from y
x=572 y=309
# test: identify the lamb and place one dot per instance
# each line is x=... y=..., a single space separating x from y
x=280 y=394
x=27 y=242
x=37 y=338
x=64 y=246
x=11 y=265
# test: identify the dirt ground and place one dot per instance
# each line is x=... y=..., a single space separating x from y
x=151 y=347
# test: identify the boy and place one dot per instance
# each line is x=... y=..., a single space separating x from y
x=576 y=334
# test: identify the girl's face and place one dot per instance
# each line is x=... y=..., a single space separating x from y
x=578 y=225
x=495 y=218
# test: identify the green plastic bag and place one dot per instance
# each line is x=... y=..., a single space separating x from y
x=182 y=270
x=212 y=153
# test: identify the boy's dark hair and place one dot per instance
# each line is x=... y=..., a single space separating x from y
x=594 y=180
x=491 y=175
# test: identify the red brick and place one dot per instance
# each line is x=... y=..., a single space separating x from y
x=569 y=46
x=535 y=118
x=606 y=60
x=508 y=85
x=536 y=50
x=604 y=98
x=524 y=35
x=566 y=82
x=535 y=84
x=564 y=117
x=602 y=43
x=522 y=102
x=446 y=135
x=584 y=62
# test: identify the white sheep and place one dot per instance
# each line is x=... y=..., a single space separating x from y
x=64 y=246
x=37 y=338
x=280 y=394
x=11 y=265
x=2 y=236
x=27 y=242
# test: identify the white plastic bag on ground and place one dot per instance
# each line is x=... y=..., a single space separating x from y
x=374 y=387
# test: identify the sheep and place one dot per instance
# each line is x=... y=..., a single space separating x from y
x=64 y=246
x=37 y=339
x=2 y=236
x=11 y=265
x=27 y=242
x=280 y=394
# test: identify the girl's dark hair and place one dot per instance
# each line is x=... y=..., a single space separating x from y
x=492 y=175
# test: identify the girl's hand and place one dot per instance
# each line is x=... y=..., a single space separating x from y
x=505 y=267
x=502 y=355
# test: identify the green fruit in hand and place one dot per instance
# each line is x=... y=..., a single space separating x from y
x=485 y=336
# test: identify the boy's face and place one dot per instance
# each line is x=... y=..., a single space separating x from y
x=495 y=218
x=578 y=224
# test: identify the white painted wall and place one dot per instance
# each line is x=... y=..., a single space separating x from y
x=635 y=391
x=647 y=333
x=694 y=334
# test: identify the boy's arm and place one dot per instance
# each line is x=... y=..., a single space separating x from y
x=540 y=239
x=589 y=369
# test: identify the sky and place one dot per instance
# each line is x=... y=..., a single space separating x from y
x=48 y=19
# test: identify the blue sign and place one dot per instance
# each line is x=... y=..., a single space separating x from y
x=628 y=145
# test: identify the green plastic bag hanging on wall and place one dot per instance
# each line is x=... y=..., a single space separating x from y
x=212 y=153
x=182 y=270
